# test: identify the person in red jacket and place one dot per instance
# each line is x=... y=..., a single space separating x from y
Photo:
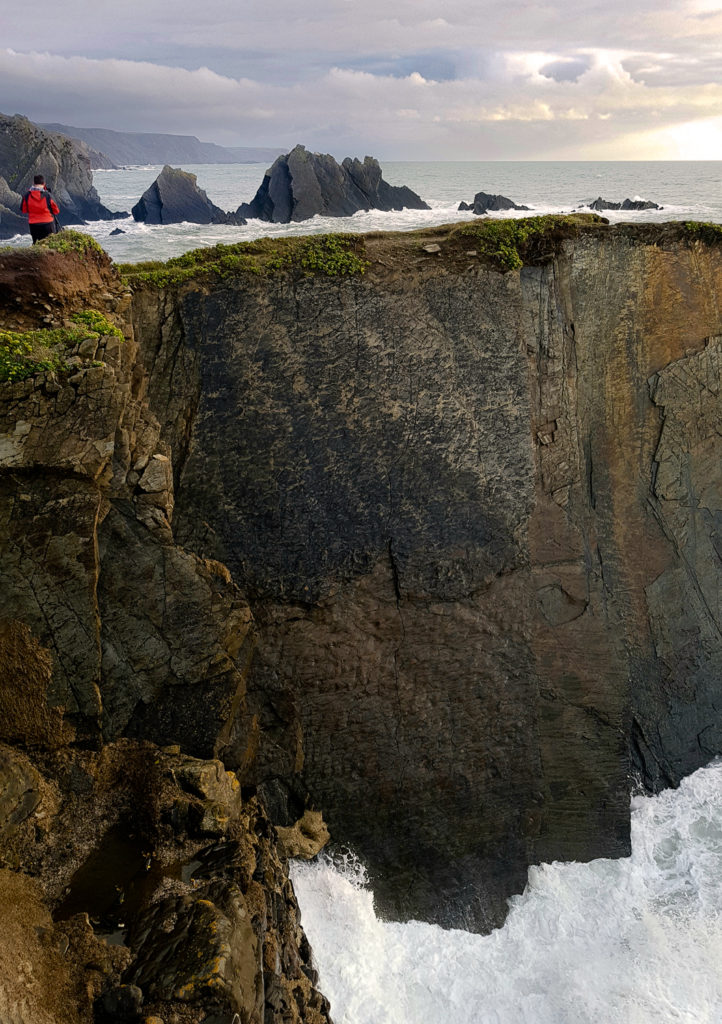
x=41 y=209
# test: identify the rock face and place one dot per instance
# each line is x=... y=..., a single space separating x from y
x=471 y=517
x=628 y=204
x=175 y=197
x=476 y=516
x=123 y=667
x=27 y=150
x=483 y=203
x=301 y=185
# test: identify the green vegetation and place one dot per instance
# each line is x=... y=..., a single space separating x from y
x=704 y=231
x=25 y=353
x=333 y=255
x=511 y=243
x=70 y=241
x=95 y=323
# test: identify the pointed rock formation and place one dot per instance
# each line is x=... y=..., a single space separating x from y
x=27 y=150
x=301 y=185
x=174 y=197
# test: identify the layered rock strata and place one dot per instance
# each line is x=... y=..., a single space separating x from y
x=301 y=185
x=27 y=150
x=476 y=515
x=175 y=197
x=155 y=885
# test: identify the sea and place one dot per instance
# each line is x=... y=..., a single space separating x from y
x=687 y=190
x=630 y=941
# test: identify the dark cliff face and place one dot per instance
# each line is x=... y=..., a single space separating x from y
x=123 y=666
x=477 y=518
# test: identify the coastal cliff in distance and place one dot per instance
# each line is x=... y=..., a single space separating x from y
x=421 y=531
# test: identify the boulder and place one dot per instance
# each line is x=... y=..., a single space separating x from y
x=628 y=204
x=301 y=185
x=484 y=202
x=175 y=197
x=306 y=838
x=27 y=150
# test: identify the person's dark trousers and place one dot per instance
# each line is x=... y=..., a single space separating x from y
x=39 y=231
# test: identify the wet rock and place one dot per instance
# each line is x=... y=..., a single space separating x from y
x=484 y=203
x=628 y=204
x=175 y=197
x=301 y=185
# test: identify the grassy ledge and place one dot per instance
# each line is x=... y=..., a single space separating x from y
x=25 y=353
x=704 y=231
x=510 y=244
x=333 y=255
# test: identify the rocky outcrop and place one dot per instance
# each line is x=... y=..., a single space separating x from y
x=628 y=204
x=150 y=889
x=151 y=883
x=27 y=150
x=175 y=197
x=484 y=203
x=301 y=185
x=475 y=515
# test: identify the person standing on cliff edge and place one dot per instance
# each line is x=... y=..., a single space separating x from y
x=41 y=209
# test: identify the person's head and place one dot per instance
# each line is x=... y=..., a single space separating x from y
x=38 y=179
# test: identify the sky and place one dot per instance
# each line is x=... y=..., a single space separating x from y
x=398 y=79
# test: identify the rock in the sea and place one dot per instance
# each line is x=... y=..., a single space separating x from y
x=484 y=202
x=628 y=204
x=301 y=185
x=27 y=150
x=117 y=231
x=175 y=197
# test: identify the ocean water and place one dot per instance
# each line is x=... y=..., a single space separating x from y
x=631 y=941
x=687 y=190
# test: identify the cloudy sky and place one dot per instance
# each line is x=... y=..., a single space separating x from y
x=401 y=79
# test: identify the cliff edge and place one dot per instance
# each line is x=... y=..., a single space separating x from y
x=469 y=481
x=140 y=877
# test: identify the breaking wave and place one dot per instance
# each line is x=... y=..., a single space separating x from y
x=631 y=941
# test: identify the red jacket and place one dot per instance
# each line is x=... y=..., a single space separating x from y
x=39 y=206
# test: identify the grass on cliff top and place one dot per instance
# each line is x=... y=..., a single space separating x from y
x=25 y=353
x=333 y=255
x=510 y=244
x=704 y=231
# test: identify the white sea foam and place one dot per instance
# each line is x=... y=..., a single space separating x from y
x=632 y=941
x=686 y=190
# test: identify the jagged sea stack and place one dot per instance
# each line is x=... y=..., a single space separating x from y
x=301 y=185
x=175 y=197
